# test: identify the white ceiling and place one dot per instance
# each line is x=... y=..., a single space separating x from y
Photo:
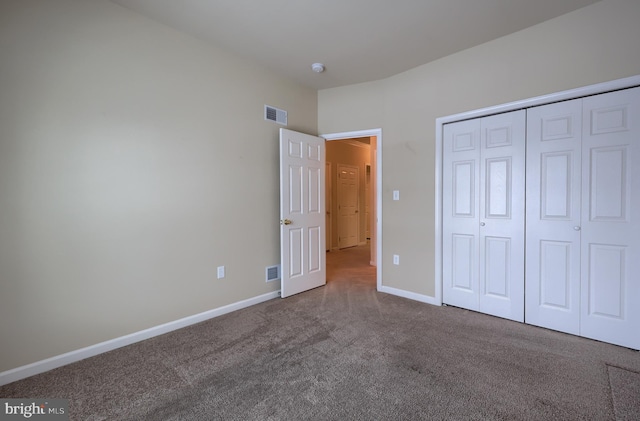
x=357 y=40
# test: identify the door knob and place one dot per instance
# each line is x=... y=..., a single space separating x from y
x=286 y=222
x=577 y=228
x=482 y=224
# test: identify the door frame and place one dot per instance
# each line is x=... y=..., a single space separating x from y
x=599 y=88
x=377 y=208
x=328 y=203
x=368 y=202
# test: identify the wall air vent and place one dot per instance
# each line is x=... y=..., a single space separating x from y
x=275 y=114
x=273 y=273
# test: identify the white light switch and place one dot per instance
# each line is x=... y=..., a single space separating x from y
x=396 y=259
x=396 y=195
x=220 y=272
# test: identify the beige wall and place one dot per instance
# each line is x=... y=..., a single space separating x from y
x=342 y=152
x=592 y=45
x=133 y=161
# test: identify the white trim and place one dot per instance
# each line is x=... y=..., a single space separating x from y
x=599 y=88
x=483 y=112
x=328 y=203
x=438 y=215
x=378 y=134
x=38 y=367
x=410 y=295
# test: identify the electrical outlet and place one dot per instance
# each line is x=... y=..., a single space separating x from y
x=220 y=272
x=396 y=259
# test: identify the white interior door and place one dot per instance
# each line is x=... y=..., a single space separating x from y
x=302 y=212
x=483 y=215
x=610 y=288
x=348 y=193
x=554 y=163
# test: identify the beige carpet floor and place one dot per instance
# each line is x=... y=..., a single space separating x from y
x=347 y=352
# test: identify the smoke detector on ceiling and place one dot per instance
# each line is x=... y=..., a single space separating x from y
x=317 y=67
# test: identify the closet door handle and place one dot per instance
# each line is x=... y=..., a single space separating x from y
x=577 y=228
x=482 y=224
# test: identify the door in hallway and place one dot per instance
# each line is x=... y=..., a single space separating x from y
x=348 y=193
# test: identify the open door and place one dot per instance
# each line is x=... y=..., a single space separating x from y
x=302 y=212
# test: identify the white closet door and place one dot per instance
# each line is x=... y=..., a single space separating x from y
x=610 y=287
x=502 y=210
x=461 y=173
x=554 y=136
x=483 y=215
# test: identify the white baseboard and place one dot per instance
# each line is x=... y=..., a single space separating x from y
x=410 y=295
x=38 y=367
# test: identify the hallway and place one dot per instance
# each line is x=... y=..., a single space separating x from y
x=350 y=267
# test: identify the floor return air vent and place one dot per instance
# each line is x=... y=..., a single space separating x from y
x=273 y=273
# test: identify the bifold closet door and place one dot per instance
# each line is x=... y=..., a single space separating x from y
x=483 y=214
x=583 y=217
x=610 y=284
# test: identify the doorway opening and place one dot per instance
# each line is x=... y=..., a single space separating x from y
x=353 y=203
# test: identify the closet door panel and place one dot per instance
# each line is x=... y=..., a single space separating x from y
x=553 y=216
x=461 y=154
x=610 y=289
x=501 y=273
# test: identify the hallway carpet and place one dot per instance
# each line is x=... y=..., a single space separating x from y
x=347 y=352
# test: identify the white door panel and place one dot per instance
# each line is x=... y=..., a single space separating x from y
x=460 y=214
x=502 y=215
x=302 y=212
x=554 y=135
x=611 y=218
